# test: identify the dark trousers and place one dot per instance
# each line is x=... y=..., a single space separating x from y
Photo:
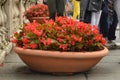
x=85 y=15
x=56 y=6
x=106 y=28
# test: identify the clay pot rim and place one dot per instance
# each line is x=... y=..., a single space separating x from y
x=59 y=54
x=38 y=17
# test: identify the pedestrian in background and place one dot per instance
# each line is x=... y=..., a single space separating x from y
x=90 y=11
x=108 y=23
x=95 y=11
x=117 y=9
x=76 y=12
x=85 y=15
x=69 y=8
x=56 y=7
x=45 y=2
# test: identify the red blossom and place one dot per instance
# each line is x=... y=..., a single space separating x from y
x=33 y=45
x=39 y=10
x=14 y=40
x=25 y=46
x=25 y=40
x=49 y=41
x=72 y=42
x=60 y=39
x=103 y=41
x=38 y=33
x=67 y=37
x=44 y=41
x=63 y=46
x=98 y=38
x=15 y=33
x=74 y=37
x=95 y=30
x=63 y=34
x=90 y=42
x=79 y=39
x=24 y=34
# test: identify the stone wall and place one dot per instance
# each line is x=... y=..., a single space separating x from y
x=11 y=18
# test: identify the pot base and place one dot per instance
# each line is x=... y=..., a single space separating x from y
x=60 y=62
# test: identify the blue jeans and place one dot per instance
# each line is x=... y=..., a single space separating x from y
x=106 y=28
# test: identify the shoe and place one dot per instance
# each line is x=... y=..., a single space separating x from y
x=111 y=45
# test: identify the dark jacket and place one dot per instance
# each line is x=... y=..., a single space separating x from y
x=88 y=6
x=95 y=5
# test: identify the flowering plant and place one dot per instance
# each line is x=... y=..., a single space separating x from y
x=62 y=35
x=39 y=10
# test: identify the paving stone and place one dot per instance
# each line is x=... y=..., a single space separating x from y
x=13 y=57
x=14 y=68
x=103 y=77
x=40 y=77
x=111 y=59
x=19 y=71
x=113 y=56
x=114 y=52
x=106 y=68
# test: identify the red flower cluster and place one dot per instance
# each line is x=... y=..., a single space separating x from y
x=63 y=35
x=39 y=10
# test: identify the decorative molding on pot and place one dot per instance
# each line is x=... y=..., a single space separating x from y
x=38 y=19
x=59 y=54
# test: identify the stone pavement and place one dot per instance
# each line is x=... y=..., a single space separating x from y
x=107 y=69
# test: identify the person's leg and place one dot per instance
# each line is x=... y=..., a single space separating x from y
x=83 y=10
x=113 y=26
x=95 y=19
x=52 y=8
x=60 y=5
x=76 y=12
x=104 y=22
x=111 y=34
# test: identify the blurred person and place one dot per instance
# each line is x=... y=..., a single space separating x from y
x=95 y=11
x=85 y=15
x=56 y=6
x=117 y=9
x=90 y=11
x=76 y=12
x=39 y=1
x=45 y=2
x=69 y=8
x=108 y=24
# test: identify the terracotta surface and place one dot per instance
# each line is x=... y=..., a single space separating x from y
x=55 y=61
x=38 y=19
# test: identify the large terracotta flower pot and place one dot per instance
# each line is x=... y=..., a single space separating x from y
x=55 y=61
x=38 y=19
